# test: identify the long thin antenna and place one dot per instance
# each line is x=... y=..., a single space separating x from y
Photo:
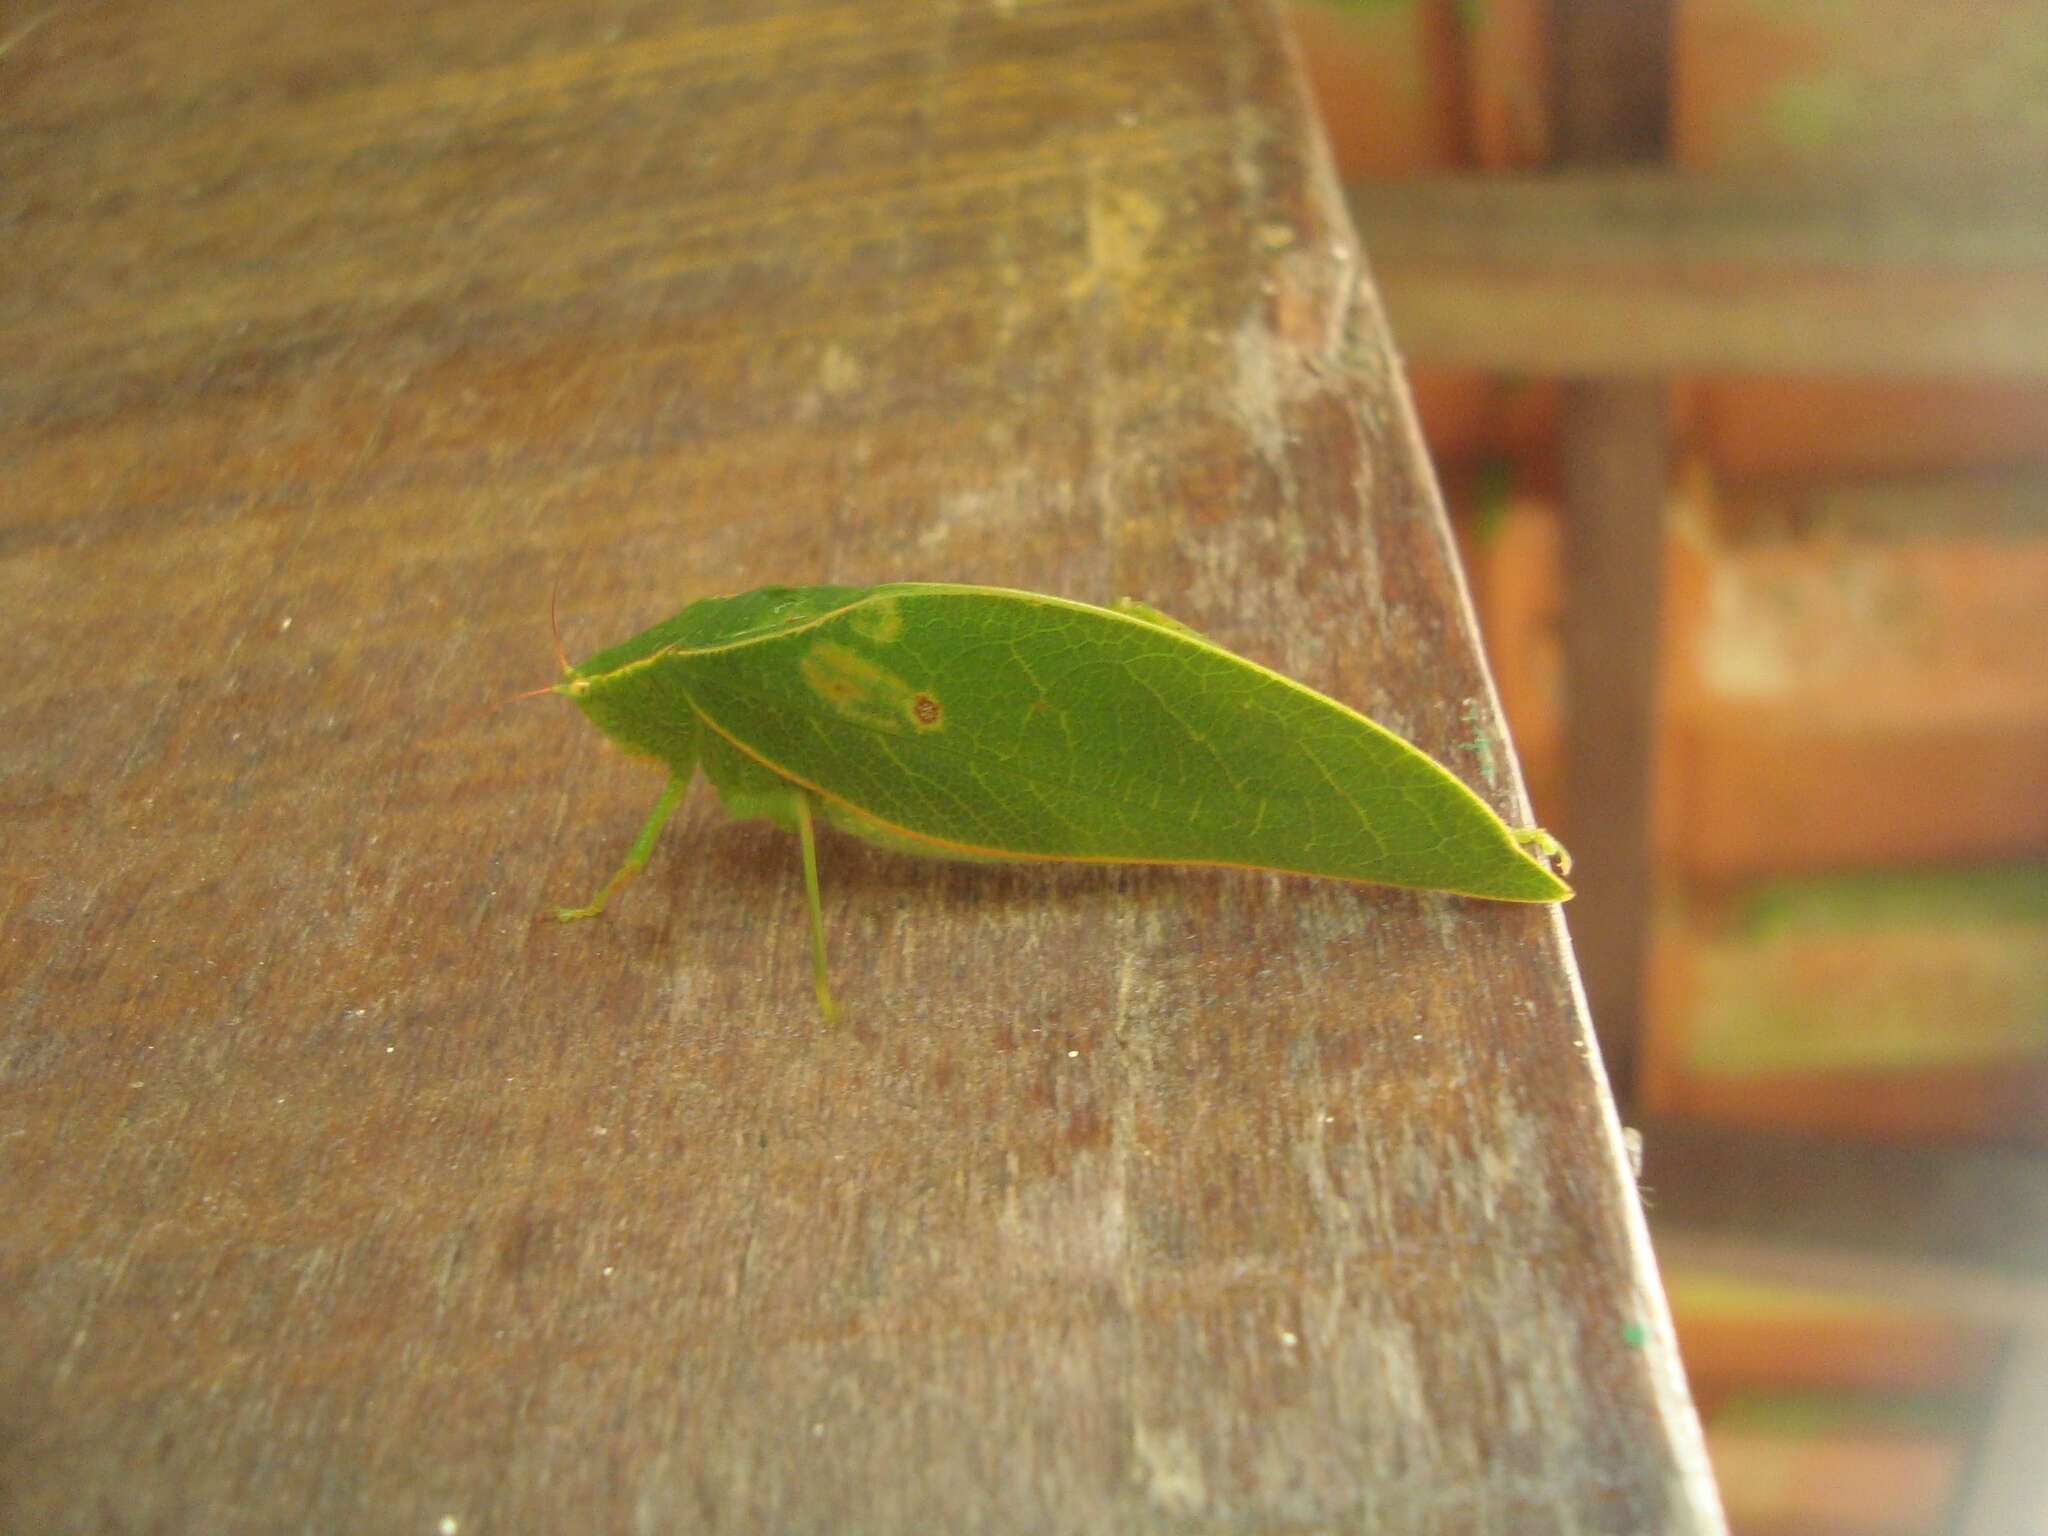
x=534 y=693
x=555 y=629
x=531 y=693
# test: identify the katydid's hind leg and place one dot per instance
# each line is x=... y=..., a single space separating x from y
x=749 y=789
x=801 y=802
x=636 y=857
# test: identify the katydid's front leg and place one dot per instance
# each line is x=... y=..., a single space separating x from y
x=636 y=858
x=802 y=804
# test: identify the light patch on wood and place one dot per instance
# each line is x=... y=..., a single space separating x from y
x=1075 y=1225
x=1121 y=224
x=839 y=372
x=1171 y=1468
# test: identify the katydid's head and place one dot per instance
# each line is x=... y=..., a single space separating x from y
x=586 y=694
x=614 y=692
x=575 y=681
x=580 y=687
x=640 y=705
x=569 y=673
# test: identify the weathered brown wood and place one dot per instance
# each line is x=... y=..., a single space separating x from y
x=1647 y=272
x=342 y=1195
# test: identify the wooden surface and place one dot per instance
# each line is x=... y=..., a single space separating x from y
x=342 y=1195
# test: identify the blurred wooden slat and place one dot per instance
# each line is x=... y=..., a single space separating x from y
x=2007 y=1495
x=1610 y=81
x=342 y=1195
x=1610 y=74
x=1647 y=272
x=1939 y=1285
x=1613 y=452
x=1965 y=1209
x=1951 y=1231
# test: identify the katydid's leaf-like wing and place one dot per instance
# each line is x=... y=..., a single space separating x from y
x=997 y=722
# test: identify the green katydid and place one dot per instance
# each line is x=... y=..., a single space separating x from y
x=977 y=723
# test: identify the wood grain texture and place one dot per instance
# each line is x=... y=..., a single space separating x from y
x=342 y=1195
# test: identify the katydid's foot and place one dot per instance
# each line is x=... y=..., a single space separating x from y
x=1544 y=846
x=636 y=860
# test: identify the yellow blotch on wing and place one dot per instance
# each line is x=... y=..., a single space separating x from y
x=877 y=619
x=867 y=693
